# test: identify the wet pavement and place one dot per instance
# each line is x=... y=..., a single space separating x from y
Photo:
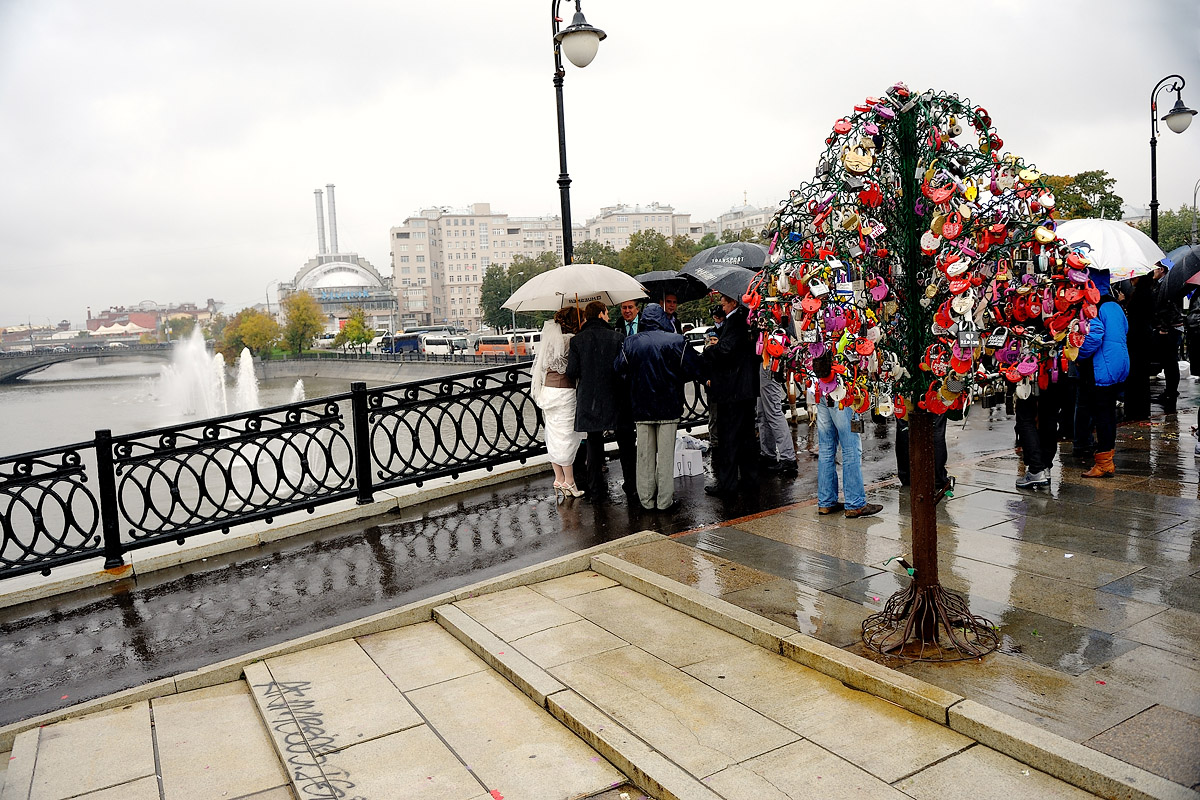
x=1096 y=586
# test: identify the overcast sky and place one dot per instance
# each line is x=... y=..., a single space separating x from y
x=167 y=150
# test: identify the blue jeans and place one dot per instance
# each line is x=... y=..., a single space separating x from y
x=833 y=429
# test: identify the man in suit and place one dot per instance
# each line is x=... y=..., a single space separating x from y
x=669 y=303
x=733 y=370
x=628 y=325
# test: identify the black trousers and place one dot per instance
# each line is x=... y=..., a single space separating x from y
x=939 y=451
x=1037 y=427
x=1101 y=405
x=627 y=451
x=736 y=455
x=1167 y=344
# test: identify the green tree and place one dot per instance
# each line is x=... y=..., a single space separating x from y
x=743 y=235
x=708 y=240
x=650 y=250
x=493 y=291
x=1085 y=195
x=181 y=327
x=1174 y=228
x=593 y=252
x=249 y=328
x=355 y=334
x=303 y=321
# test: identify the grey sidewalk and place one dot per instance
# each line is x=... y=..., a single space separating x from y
x=558 y=689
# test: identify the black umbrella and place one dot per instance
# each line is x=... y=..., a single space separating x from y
x=727 y=268
x=737 y=254
x=1187 y=264
x=668 y=281
x=726 y=279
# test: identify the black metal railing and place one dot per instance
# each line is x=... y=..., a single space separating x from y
x=122 y=492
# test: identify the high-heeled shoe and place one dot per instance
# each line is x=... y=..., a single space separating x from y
x=558 y=489
x=572 y=490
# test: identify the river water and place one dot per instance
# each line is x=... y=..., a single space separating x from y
x=67 y=403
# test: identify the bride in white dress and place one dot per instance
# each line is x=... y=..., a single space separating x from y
x=555 y=396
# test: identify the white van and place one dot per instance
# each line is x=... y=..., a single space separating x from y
x=532 y=339
x=441 y=344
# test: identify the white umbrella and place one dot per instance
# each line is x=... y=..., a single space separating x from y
x=575 y=284
x=1121 y=249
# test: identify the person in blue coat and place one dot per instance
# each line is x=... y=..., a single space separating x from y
x=656 y=362
x=1103 y=364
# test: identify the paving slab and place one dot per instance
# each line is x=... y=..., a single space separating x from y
x=696 y=726
x=1074 y=708
x=1170 y=678
x=707 y=572
x=339 y=685
x=849 y=544
x=141 y=789
x=564 y=643
x=413 y=763
x=419 y=655
x=983 y=774
x=854 y=725
x=799 y=771
x=670 y=635
x=1161 y=740
x=78 y=757
x=821 y=615
x=810 y=567
x=212 y=742
x=512 y=745
x=1171 y=629
x=516 y=612
x=571 y=585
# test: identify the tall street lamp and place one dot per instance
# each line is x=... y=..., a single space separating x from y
x=1195 y=189
x=510 y=291
x=579 y=41
x=1177 y=119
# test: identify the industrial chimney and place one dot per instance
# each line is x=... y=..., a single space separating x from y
x=333 y=245
x=320 y=222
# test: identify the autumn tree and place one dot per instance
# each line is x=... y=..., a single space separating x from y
x=650 y=250
x=249 y=328
x=1085 y=195
x=356 y=334
x=593 y=252
x=303 y=321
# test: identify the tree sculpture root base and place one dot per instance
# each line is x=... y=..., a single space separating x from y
x=929 y=624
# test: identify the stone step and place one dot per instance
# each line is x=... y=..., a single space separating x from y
x=411 y=712
x=203 y=743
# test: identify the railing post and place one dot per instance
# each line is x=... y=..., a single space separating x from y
x=362 y=442
x=106 y=484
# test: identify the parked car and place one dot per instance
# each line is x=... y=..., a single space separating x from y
x=532 y=338
x=436 y=344
x=696 y=337
x=60 y=349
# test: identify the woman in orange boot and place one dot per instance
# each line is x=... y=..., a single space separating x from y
x=1103 y=366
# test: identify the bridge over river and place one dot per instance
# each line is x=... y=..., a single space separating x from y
x=15 y=365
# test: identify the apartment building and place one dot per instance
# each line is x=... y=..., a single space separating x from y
x=439 y=257
x=615 y=224
x=741 y=217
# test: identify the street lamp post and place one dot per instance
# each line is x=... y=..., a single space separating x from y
x=510 y=291
x=1195 y=189
x=1178 y=119
x=579 y=41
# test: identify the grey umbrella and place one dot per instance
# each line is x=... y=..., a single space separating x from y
x=1186 y=264
x=727 y=268
x=726 y=279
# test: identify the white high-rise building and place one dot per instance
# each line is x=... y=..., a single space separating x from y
x=615 y=224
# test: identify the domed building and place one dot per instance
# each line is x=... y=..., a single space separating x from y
x=342 y=282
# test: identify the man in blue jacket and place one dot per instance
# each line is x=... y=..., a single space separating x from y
x=1103 y=364
x=656 y=362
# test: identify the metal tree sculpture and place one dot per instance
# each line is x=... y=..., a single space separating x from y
x=919 y=259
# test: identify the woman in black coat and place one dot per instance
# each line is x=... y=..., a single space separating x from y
x=590 y=368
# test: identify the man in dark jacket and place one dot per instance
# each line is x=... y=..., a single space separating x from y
x=733 y=370
x=656 y=362
x=628 y=325
x=590 y=368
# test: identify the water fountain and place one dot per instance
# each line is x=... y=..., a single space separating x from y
x=298 y=395
x=195 y=381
